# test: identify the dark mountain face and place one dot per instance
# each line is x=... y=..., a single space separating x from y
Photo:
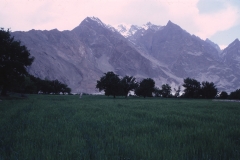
x=231 y=54
x=79 y=57
x=109 y=44
x=170 y=43
x=231 y=58
x=185 y=55
x=167 y=54
x=59 y=55
x=216 y=46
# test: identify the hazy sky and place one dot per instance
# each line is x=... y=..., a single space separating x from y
x=218 y=20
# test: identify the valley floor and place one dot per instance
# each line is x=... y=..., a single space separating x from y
x=100 y=127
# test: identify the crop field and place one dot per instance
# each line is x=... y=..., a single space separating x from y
x=43 y=127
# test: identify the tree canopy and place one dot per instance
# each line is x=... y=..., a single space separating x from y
x=235 y=94
x=166 y=91
x=128 y=83
x=14 y=58
x=177 y=91
x=157 y=91
x=109 y=83
x=192 y=88
x=223 y=95
x=113 y=85
x=208 y=90
x=34 y=85
x=146 y=88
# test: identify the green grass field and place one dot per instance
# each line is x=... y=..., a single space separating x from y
x=45 y=127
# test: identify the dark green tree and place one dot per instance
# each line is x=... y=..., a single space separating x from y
x=57 y=86
x=66 y=90
x=46 y=86
x=37 y=83
x=146 y=88
x=223 y=95
x=235 y=94
x=53 y=87
x=128 y=83
x=157 y=91
x=192 y=88
x=177 y=91
x=14 y=58
x=110 y=84
x=208 y=90
x=26 y=86
x=166 y=91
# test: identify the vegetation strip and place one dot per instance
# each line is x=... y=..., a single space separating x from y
x=100 y=127
x=226 y=100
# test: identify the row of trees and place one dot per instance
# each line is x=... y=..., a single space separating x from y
x=233 y=95
x=14 y=59
x=194 y=89
x=111 y=84
x=34 y=85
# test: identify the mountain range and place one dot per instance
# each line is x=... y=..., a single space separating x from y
x=168 y=54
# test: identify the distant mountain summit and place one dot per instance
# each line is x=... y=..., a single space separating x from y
x=168 y=54
x=216 y=46
x=130 y=30
x=231 y=54
x=151 y=26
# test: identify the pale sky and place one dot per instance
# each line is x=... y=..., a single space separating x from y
x=218 y=20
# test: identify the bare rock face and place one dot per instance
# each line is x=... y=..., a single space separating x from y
x=168 y=54
x=58 y=55
x=231 y=58
x=216 y=46
x=81 y=56
x=186 y=55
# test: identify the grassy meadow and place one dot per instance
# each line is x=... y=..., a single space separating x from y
x=44 y=127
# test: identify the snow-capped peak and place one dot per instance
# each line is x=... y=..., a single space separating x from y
x=128 y=30
x=97 y=20
x=151 y=26
x=147 y=25
x=235 y=44
x=123 y=29
x=111 y=28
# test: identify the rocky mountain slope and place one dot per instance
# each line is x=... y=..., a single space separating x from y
x=231 y=57
x=165 y=53
x=80 y=56
x=185 y=55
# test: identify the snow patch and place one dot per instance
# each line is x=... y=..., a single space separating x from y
x=149 y=25
x=145 y=27
x=111 y=28
x=98 y=21
x=123 y=29
x=128 y=30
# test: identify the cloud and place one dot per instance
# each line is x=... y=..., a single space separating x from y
x=209 y=24
x=22 y=15
x=187 y=15
x=65 y=15
x=223 y=46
